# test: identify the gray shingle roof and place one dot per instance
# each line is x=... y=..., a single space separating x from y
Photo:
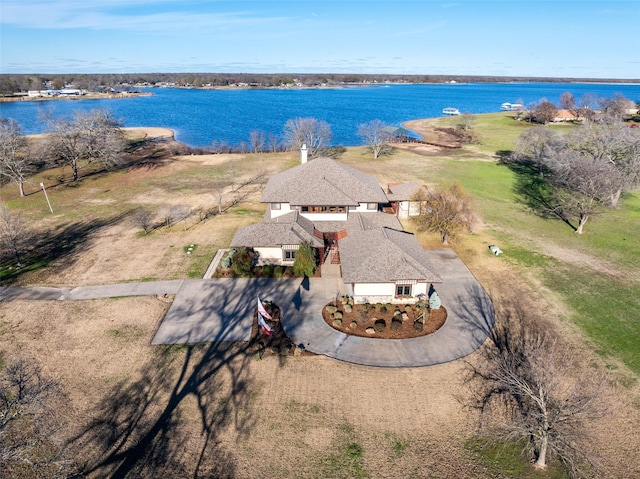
x=289 y=229
x=384 y=255
x=367 y=221
x=323 y=182
x=402 y=192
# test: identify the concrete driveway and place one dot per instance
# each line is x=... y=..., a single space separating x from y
x=214 y=310
x=217 y=310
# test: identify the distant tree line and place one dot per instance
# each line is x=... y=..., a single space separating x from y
x=13 y=83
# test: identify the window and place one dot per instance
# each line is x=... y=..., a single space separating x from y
x=276 y=206
x=323 y=209
x=289 y=255
x=403 y=290
x=372 y=206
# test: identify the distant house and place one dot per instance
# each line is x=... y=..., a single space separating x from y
x=564 y=116
x=338 y=210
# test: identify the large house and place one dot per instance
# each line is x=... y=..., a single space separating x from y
x=339 y=211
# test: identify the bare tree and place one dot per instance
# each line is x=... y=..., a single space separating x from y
x=14 y=234
x=616 y=108
x=220 y=185
x=274 y=142
x=174 y=213
x=16 y=163
x=614 y=144
x=545 y=112
x=314 y=133
x=446 y=211
x=94 y=136
x=567 y=101
x=528 y=386
x=536 y=145
x=258 y=140
x=464 y=128
x=28 y=420
x=143 y=218
x=583 y=185
x=585 y=171
x=586 y=105
x=377 y=136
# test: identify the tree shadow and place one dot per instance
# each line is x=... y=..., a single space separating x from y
x=533 y=190
x=140 y=429
x=59 y=244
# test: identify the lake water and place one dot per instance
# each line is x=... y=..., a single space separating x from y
x=199 y=117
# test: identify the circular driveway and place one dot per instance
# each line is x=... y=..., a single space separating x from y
x=469 y=322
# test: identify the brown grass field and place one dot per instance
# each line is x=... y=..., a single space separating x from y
x=134 y=410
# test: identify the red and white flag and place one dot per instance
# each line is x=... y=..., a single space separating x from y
x=261 y=309
x=265 y=327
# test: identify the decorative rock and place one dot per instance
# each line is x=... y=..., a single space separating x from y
x=331 y=308
x=370 y=330
x=348 y=308
x=337 y=315
x=337 y=323
x=405 y=316
x=353 y=325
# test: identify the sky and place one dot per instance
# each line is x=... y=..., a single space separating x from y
x=541 y=38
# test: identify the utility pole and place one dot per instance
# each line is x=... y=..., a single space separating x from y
x=47 y=197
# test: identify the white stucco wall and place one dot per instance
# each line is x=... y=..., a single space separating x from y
x=362 y=208
x=269 y=255
x=284 y=209
x=385 y=292
x=403 y=209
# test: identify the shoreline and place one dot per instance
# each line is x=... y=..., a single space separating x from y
x=88 y=96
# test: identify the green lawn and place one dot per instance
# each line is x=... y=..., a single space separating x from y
x=606 y=307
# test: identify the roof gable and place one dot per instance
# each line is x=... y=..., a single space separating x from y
x=288 y=229
x=323 y=182
x=384 y=255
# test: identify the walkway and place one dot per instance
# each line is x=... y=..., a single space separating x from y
x=214 y=310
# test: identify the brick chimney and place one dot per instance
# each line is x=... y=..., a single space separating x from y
x=303 y=154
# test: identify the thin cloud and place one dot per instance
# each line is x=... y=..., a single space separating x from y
x=101 y=15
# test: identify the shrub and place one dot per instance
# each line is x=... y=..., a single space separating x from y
x=396 y=325
x=338 y=315
x=380 y=325
x=278 y=272
x=353 y=325
x=226 y=261
x=243 y=262
x=331 y=308
x=434 y=301
x=348 y=308
x=418 y=326
x=383 y=309
x=378 y=305
x=267 y=271
x=305 y=262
